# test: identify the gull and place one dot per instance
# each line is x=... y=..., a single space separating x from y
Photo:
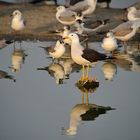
x=57 y=50
x=85 y=7
x=66 y=16
x=133 y=13
x=18 y=22
x=83 y=28
x=81 y=56
x=62 y=32
x=109 y=43
x=126 y=30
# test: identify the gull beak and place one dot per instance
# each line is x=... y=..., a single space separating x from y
x=66 y=37
x=11 y=15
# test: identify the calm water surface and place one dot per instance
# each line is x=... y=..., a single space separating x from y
x=113 y=4
x=33 y=106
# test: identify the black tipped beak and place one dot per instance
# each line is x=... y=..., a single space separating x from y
x=11 y=15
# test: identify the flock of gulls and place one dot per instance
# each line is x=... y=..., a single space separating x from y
x=74 y=19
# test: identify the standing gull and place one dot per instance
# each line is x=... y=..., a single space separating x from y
x=57 y=50
x=81 y=56
x=127 y=30
x=62 y=32
x=109 y=43
x=18 y=22
x=88 y=28
x=66 y=16
x=85 y=7
x=133 y=14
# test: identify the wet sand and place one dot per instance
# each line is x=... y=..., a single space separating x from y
x=41 y=19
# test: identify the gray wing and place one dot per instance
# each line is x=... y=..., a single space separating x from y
x=93 y=24
x=24 y=21
x=67 y=16
x=123 y=29
x=50 y=49
x=137 y=14
x=81 y=6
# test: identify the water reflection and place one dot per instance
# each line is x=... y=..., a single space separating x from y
x=85 y=111
x=25 y=108
x=55 y=70
x=61 y=69
x=18 y=58
x=129 y=61
x=109 y=70
x=5 y=75
x=69 y=66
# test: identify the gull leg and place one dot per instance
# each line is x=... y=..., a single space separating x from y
x=83 y=73
x=125 y=47
x=14 y=44
x=87 y=73
x=87 y=98
x=82 y=97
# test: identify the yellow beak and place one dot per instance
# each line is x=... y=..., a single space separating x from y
x=66 y=37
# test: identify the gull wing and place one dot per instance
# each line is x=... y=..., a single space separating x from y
x=92 y=55
x=123 y=29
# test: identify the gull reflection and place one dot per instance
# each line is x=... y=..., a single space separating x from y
x=5 y=75
x=69 y=66
x=85 y=111
x=134 y=56
x=4 y=43
x=61 y=69
x=55 y=70
x=18 y=58
x=129 y=61
x=109 y=70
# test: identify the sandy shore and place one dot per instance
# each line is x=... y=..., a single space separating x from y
x=41 y=19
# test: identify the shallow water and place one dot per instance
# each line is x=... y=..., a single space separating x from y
x=122 y=3
x=113 y=4
x=33 y=106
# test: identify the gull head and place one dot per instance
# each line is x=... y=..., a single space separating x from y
x=79 y=21
x=131 y=9
x=72 y=37
x=109 y=34
x=67 y=27
x=79 y=16
x=60 y=8
x=16 y=13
